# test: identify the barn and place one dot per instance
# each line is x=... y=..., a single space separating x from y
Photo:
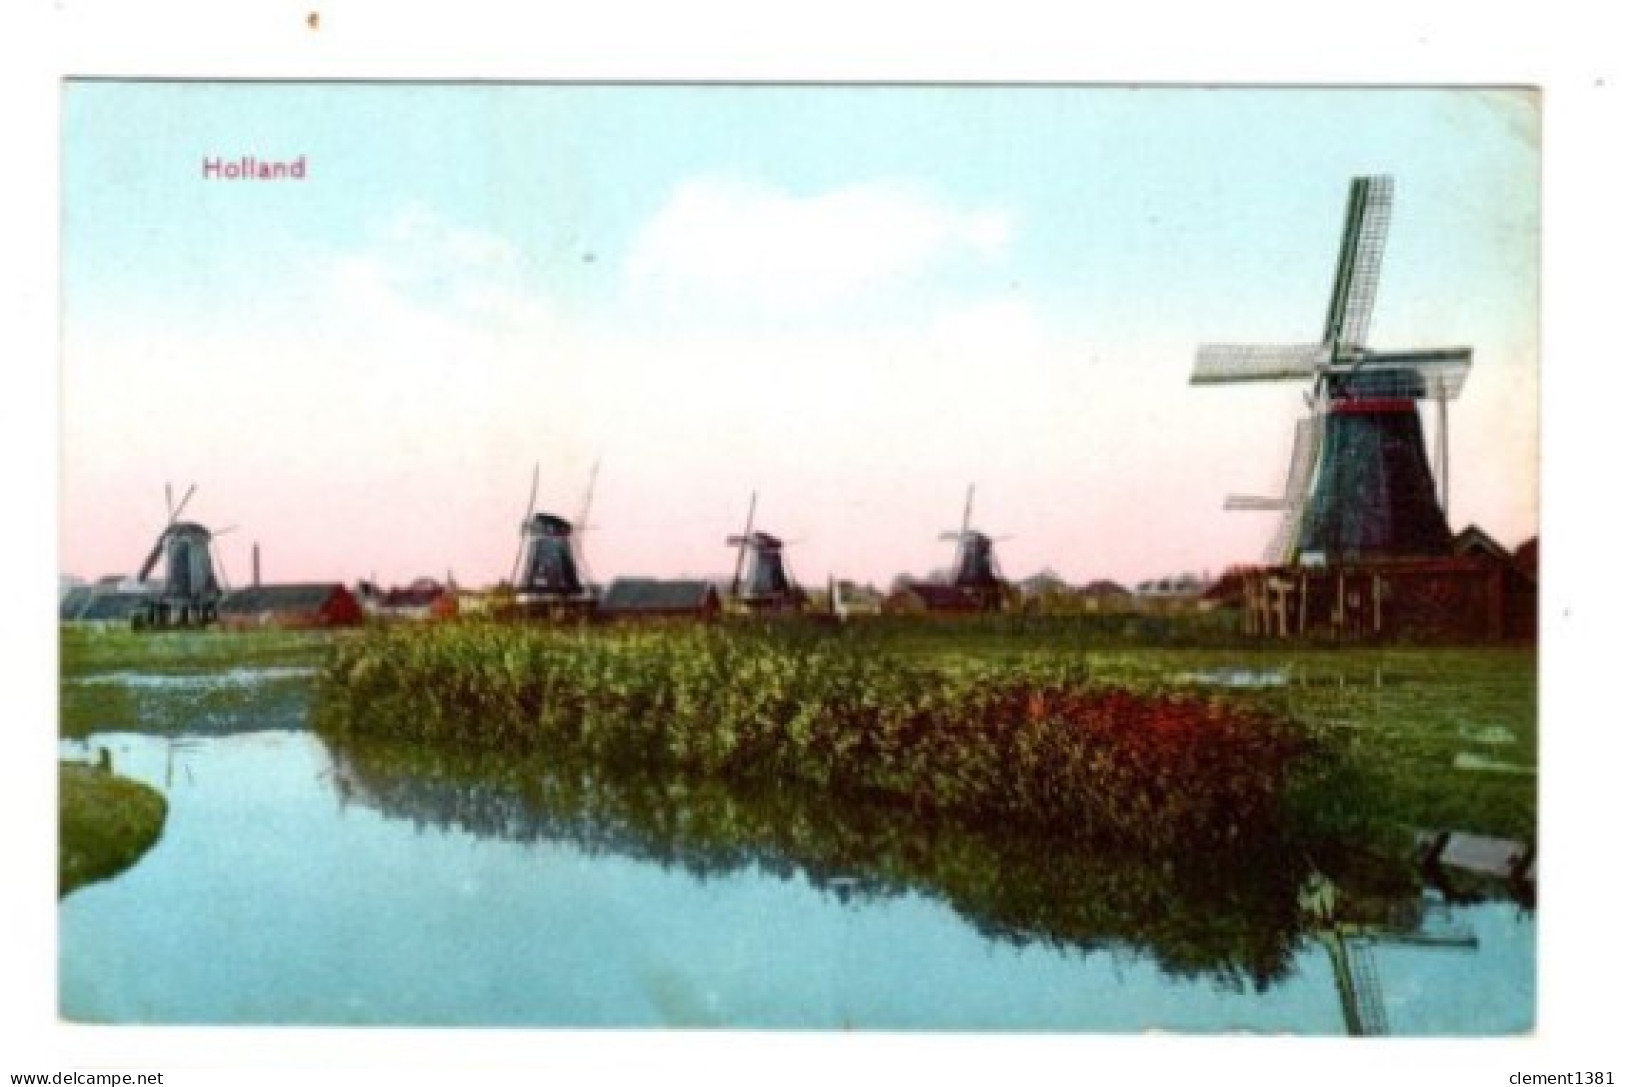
x=919 y=597
x=297 y=607
x=650 y=598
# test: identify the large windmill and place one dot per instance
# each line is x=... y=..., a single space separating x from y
x=975 y=568
x=547 y=571
x=761 y=582
x=189 y=590
x=1359 y=485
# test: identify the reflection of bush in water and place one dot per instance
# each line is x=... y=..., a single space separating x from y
x=1233 y=919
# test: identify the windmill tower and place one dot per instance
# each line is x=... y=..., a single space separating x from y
x=975 y=568
x=1359 y=486
x=188 y=591
x=761 y=582
x=547 y=571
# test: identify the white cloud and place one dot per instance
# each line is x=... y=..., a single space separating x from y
x=735 y=242
x=421 y=274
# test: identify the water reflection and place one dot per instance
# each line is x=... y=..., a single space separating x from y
x=1236 y=920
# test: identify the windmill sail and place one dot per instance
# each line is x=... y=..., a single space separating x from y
x=1359 y=261
x=1227 y=363
x=1306 y=443
x=524 y=526
x=742 y=541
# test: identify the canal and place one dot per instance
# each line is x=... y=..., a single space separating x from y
x=300 y=882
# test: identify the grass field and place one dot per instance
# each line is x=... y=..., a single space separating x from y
x=1449 y=733
x=117 y=681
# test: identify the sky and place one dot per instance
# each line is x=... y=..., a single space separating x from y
x=852 y=301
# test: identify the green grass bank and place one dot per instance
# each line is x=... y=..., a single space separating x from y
x=106 y=824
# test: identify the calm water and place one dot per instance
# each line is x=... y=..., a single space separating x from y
x=296 y=883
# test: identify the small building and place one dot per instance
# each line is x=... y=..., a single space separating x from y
x=847 y=599
x=102 y=605
x=1474 y=542
x=920 y=597
x=290 y=607
x=653 y=598
x=1180 y=592
x=1102 y=595
x=1045 y=583
x=423 y=599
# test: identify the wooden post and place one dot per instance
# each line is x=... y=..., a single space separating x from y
x=1376 y=603
x=1303 y=602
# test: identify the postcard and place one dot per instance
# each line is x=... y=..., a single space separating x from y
x=817 y=557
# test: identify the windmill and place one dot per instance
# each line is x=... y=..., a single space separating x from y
x=761 y=582
x=547 y=568
x=1359 y=484
x=189 y=591
x=975 y=568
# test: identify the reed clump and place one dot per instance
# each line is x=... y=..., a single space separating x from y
x=1029 y=742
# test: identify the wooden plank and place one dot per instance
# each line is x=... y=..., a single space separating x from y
x=1500 y=857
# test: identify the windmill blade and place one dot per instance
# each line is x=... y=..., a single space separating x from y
x=581 y=527
x=583 y=571
x=948 y=536
x=175 y=514
x=214 y=532
x=586 y=501
x=535 y=481
x=169 y=501
x=1228 y=363
x=1253 y=502
x=1306 y=439
x=1435 y=373
x=744 y=543
x=1277 y=551
x=1359 y=260
x=219 y=564
x=530 y=510
x=152 y=558
x=963 y=537
x=518 y=557
x=1306 y=443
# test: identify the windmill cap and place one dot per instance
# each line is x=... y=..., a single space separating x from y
x=1379 y=383
x=547 y=524
x=186 y=528
x=764 y=540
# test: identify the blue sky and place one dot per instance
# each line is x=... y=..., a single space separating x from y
x=855 y=300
